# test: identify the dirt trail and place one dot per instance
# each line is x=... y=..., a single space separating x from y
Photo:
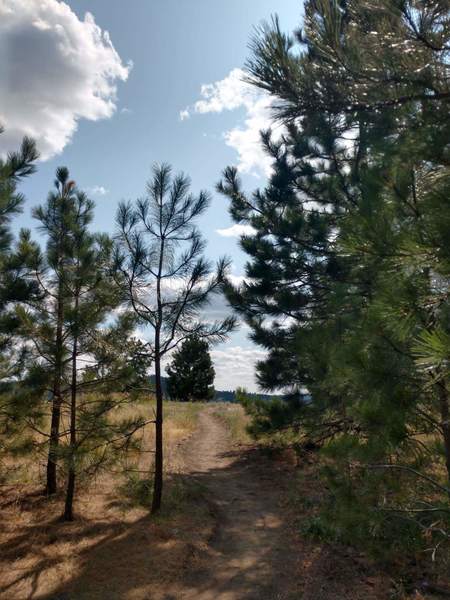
x=248 y=556
x=248 y=548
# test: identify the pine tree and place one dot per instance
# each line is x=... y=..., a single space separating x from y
x=367 y=92
x=291 y=256
x=91 y=296
x=168 y=288
x=74 y=354
x=58 y=221
x=14 y=286
x=191 y=372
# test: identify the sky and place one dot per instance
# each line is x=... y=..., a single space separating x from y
x=108 y=87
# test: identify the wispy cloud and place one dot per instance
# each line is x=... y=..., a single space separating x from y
x=236 y=231
x=60 y=69
x=230 y=94
x=97 y=190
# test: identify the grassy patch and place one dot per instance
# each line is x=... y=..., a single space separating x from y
x=236 y=421
x=181 y=494
x=112 y=530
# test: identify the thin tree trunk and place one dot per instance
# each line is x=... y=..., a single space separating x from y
x=68 y=510
x=52 y=462
x=445 y=422
x=158 y=477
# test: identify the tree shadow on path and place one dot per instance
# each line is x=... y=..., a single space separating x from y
x=244 y=557
x=233 y=539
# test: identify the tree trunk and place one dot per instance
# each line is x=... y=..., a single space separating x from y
x=445 y=422
x=51 y=486
x=158 y=477
x=52 y=462
x=68 y=510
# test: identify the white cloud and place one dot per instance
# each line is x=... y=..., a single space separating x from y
x=56 y=69
x=232 y=93
x=235 y=367
x=228 y=94
x=236 y=231
x=97 y=190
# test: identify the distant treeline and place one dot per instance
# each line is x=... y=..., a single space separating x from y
x=228 y=396
x=222 y=395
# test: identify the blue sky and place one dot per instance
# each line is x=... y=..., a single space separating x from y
x=150 y=106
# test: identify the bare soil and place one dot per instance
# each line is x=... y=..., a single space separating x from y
x=255 y=552
x=236 y=538
x=249 y=554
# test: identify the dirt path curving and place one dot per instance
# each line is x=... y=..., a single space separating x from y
x=248 y=556
x=248 y=548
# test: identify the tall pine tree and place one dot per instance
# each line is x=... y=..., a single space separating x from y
x=14 y=286
x=166 y=278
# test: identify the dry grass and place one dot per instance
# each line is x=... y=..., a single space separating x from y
x=41 y=557
x=236 y=421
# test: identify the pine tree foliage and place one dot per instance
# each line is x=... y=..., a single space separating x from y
x=292 y=255
x=13 y=169
x=361 y=321
x=14 y=287
x=355 y=56
x=93 y=436
x=191 y=372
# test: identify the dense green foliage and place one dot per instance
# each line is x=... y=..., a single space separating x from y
x=14 y=288
x=191 y=372
x=349 y=266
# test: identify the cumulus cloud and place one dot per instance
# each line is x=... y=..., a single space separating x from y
x=228 y=94
x=233 y=93
x=236 y=231
x=235 y=367
x=56 y=69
